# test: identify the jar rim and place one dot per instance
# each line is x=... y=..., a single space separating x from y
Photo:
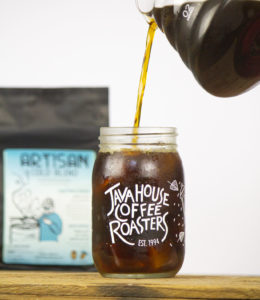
x=132 y=131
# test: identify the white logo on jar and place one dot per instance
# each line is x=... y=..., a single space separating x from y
x=174 y=185
x=137 y=212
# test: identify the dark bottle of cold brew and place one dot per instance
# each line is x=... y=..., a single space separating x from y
x=219 y=40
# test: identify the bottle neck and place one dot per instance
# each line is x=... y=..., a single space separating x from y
x=138 y=139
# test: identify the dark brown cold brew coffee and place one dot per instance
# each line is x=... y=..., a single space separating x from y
x=138 y=212
x=219 y=40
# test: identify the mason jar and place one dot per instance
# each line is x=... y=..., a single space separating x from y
x=138 y=204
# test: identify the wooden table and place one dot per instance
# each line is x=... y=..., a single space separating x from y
x=53 y=285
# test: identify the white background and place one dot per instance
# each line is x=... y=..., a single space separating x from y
x=60 y=43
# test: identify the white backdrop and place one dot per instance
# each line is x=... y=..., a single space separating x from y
x=59 y=43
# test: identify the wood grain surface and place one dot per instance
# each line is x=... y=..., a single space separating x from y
x=54 y=285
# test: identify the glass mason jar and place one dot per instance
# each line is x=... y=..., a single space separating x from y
x=138 y=203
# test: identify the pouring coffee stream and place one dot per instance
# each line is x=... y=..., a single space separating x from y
x=218 y=40
x=143 y=77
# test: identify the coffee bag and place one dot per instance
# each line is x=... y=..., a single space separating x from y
x=48 y=143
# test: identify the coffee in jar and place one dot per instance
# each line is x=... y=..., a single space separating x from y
x=138 y=204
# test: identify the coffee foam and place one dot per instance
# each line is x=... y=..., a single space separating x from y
x=142 y=149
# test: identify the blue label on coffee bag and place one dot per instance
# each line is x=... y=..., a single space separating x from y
x=47 y=206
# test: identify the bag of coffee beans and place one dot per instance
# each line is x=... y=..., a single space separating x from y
x=48 y=144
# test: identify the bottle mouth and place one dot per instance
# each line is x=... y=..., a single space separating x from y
x=134 y=138
x=132 y=131
x=145 y=6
